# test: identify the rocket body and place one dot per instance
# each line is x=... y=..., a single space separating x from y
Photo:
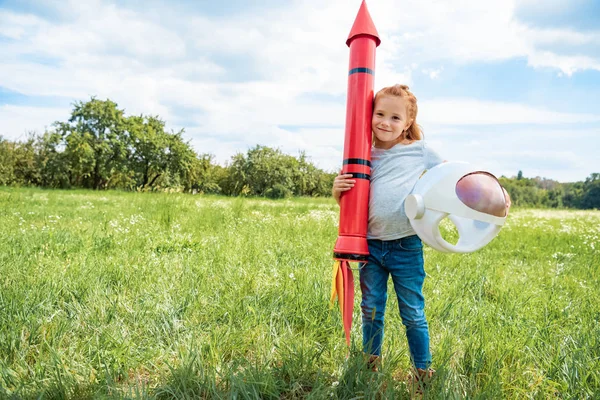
x=351 y=244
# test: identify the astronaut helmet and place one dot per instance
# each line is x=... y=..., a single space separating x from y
x=473 y=200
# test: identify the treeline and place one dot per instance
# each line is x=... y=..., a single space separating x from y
x=541 y=192
x=99 y=148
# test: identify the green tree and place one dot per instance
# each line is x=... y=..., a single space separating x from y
x=205 y=176
x=591 y=195
x=555 y=197
x=7 y=173
x=312 y=181
x=180 y=159
x=260 y=170
x=96 y=145
x=52 y=161
x=24 y=163
x=264 y=171
x=33 y=162
x=149 y=147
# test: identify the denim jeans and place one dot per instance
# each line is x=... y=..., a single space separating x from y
x=403 y=260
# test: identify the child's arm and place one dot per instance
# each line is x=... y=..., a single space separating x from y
x=341 y=183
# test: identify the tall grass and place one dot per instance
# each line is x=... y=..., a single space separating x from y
x=171 y=296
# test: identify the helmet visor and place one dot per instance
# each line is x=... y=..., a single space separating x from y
x=482 y=192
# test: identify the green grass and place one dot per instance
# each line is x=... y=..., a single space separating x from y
x=171 y=296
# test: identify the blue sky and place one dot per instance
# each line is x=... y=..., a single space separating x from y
x=507 y=85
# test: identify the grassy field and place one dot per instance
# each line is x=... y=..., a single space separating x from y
x=142 y=295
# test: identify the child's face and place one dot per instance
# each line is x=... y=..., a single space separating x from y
x=390 y=120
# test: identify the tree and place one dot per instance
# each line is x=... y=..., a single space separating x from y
x=555 y=197
x=24 y=163
x=260 y=170
x=264 y=171
x=149 y=143
x=95 y=143
x=180 y=158
x=205 y=176
x=573 y=194
x=591 y=196
x=7 y=173
x=51 y=161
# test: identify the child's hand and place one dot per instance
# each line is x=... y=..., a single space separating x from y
x=341 y=183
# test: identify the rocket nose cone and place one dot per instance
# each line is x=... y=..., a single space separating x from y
x=363 y=25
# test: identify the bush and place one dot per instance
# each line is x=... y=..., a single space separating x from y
x=278 y=191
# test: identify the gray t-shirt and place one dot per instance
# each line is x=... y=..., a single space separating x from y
x=393 y=176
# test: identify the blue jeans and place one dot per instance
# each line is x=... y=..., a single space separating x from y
x=403 y=260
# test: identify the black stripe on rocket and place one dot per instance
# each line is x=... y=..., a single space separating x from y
x=359 y=70
x=357 y=175
x=357 y=161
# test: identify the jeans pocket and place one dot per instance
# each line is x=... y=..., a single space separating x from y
x=411 y=243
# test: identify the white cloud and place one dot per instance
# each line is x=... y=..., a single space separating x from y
x=567 y=64
x=16 y=26
x=472 y=112
x=16 y=122
x=433 y=73
x=548 y=6
x=542 y=36
x=432 y=31
x=562 y=154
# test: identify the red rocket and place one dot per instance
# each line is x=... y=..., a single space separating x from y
x=351 y=244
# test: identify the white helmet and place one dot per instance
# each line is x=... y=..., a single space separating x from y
x=473 y=200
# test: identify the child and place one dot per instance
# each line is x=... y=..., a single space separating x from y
x=399 y=156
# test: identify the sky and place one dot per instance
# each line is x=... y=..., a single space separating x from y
x=506 y=85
